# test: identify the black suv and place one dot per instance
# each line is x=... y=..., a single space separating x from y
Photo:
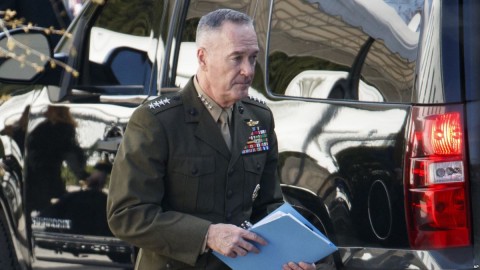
x=376 y=106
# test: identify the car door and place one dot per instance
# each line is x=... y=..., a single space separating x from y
x=111 y=55
x=339 y=86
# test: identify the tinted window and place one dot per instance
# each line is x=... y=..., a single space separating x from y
x=472 y=54
x=344 y=50
x=122 y=45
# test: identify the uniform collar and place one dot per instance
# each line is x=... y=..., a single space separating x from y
x=212 y=107
x=195 y=113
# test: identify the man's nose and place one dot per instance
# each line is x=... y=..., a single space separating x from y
x=247 y=68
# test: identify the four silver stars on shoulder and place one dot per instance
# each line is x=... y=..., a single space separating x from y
x=159 y=103
x=257 y=99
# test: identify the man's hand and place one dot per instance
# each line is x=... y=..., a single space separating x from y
x=299 y=266
x=232 y=241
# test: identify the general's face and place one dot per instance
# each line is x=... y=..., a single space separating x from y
x=230 y=63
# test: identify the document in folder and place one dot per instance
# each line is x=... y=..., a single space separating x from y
x=290 y=237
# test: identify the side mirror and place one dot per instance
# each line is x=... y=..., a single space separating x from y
x=24 y=56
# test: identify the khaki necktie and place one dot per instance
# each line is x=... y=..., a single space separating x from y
x=224 y=128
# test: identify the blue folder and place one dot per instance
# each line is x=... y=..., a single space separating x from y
x=288 y=241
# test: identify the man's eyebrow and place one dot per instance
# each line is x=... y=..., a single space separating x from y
x=236 y=53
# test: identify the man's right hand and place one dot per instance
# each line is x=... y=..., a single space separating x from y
x=232 y=241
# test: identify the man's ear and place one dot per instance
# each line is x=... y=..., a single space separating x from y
x=202 y=58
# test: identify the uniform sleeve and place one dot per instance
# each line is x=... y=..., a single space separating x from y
x=136 y=191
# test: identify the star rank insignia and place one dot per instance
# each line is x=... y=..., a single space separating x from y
x=205 y=101
x=257 y=99
x=159 y=103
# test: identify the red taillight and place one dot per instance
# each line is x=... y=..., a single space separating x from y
x=443 y=134
x=436 y=190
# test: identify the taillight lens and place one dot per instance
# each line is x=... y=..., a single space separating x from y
x=436 y=190
x=443 y=134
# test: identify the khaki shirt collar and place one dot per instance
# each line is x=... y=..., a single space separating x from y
x=212 y=107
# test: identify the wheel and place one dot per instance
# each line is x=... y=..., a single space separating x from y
x=8 y=260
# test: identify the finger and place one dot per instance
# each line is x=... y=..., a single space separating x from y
x=254 y=237
x=248 y=247
x=239 y=251
x=307 y=266
x=291 y=266
x=230 y=254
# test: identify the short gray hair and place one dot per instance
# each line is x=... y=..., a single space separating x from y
x=213 y=21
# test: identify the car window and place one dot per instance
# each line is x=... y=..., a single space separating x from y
x=472 y=54
x=344 y=50
x=121 y=46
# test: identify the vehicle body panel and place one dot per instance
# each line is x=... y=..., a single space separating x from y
x=342 y=78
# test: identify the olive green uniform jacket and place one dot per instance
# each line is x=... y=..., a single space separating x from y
x=173 y=176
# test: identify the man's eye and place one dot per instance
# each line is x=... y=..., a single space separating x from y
x=253 y=59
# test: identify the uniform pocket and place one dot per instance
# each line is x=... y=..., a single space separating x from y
x=253 y=165
x=192 y=184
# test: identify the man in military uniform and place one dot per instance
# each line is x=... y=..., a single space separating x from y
x=192 y=168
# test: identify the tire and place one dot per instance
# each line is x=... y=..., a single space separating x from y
x=8 y=260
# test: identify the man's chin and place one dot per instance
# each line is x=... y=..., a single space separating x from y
x=243 y=94
x=242 y=90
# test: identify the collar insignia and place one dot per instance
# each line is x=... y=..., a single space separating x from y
x=205 y=101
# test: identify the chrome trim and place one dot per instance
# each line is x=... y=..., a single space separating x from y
x=383 y=258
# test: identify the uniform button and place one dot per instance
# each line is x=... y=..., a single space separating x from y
x=258 y=166
x=229 y=216
x=194 y=171
x=168 y=265
x=230 y=172
x=229 y=193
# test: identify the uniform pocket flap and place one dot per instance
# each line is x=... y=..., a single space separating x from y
x=253 y=165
